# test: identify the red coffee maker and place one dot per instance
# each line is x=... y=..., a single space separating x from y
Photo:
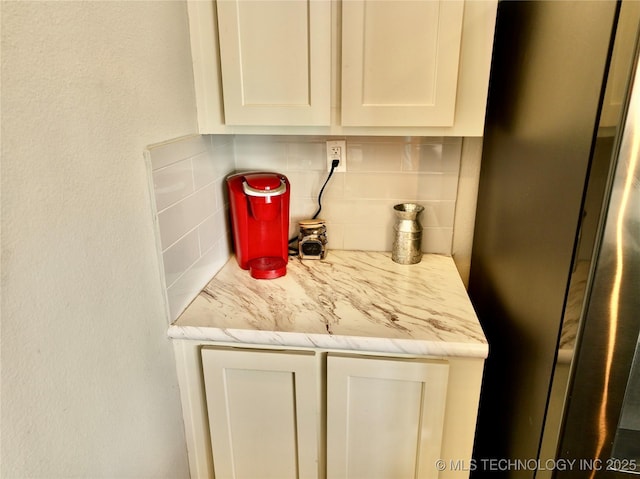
x=259 y=205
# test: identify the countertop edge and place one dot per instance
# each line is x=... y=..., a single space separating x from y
x=323 y=341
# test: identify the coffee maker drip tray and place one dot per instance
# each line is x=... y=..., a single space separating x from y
x=267 y=267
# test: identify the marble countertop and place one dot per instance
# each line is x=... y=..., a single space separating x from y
x=352 y=300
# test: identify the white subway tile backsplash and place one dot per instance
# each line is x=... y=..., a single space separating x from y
x=355 y=157
x=182 y=292
x=306 y=156
x=301 y=209
x=435 y=214
x=373 y=186
x=437 y=240
x=368 y=236
x=185 y=215
x=426 y=157
x=381 y=172
x=223 y=155
x=308 y=184
x=260 y=153
x=304 y=208
x=374 y=157
x=204 y=170
x=172 y=183
x=335 y=236
x=164 y=154
x=210 y=231
x=357 y=236
x=190 y=193
x=180 y=257
x=191 y=207
x=433 y=157
x=437 y=186
x=438 y=214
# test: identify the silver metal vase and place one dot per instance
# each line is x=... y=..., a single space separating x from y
x=407 y=241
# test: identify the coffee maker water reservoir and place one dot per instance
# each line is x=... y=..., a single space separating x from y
x=259 y=204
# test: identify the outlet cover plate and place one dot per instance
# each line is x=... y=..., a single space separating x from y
x=337 y=149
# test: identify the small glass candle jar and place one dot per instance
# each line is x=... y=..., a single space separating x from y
x=312 y=239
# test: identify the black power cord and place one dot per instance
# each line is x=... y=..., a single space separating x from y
x=334 y=165
x=293 y=251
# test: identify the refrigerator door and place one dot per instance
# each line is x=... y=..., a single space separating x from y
x=601 y=430
x=626 y=446
x=604 y=157
x=548 y=69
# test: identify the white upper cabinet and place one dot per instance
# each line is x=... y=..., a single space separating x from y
x=374 y=67
x=400 y=62
x=275 y=59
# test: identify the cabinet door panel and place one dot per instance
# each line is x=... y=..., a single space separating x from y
x=263 y=417
x=400 y=62
x=275 y=58
x=384 y=417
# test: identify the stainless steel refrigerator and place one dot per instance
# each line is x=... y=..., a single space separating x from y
x=555 y=268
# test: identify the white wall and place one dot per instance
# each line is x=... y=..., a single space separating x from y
x=88 y=380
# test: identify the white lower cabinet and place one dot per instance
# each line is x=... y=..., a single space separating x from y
x=384 y=417
x=255 y=413
x=263 y=413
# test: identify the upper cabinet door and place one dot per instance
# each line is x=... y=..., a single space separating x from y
x=276 y=61
x=400 y=62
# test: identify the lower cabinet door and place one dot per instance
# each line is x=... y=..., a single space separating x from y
x=384 y=417
x=263 y=413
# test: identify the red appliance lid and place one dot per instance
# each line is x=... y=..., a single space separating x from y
x=263 y=181
x=264 y=185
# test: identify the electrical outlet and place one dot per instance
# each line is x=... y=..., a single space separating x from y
x=337 y=150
